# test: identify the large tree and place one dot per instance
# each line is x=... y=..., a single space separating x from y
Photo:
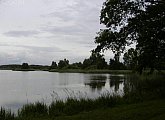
x=141 y=22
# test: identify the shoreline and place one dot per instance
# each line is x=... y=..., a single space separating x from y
x=105 y=71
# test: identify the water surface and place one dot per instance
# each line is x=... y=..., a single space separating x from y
x=18 y=88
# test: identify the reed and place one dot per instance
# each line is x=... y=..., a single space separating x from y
x=6 y=114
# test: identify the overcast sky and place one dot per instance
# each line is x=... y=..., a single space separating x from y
x=41 y=31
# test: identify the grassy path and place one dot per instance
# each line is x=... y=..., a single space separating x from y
x=152 y=110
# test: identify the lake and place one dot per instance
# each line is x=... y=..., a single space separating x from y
x=18 y=88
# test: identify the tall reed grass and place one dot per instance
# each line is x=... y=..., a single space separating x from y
x=6 y=114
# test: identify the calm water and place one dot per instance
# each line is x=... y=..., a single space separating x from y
x=18 y=88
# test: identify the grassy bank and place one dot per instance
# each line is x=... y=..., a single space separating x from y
x=24 y=70
x=150 y=110
x=95 y=71
x=91 y=71
x=144 y=96
x=80 y=71
x=102 y=71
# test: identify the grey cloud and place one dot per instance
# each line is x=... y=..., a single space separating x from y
x=82 y=10
x=43 y=49
x=82 y=40
x=31 y=54
x=6 y=58
x=68 y=30
x=37 y=48
x=65 y=15
x=86 y=42
x=74 y=26
x=21 y=33
x=84 y=15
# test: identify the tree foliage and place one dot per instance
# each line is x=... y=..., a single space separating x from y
x=134 y=21
x=131 y=59
x=25 y=66
x=63 y=63
x=95 y=61
x=116 y=65
x=53 y=65
x=77 y=65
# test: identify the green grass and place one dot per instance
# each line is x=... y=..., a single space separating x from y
x=150 y=110
x=153 y=110
x=71 y=106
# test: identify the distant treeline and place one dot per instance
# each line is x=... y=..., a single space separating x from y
x=96 y=61
x=19 y=67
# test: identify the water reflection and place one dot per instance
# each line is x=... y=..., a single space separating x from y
x=96 y=82
x=18 y=87
x=116 y=81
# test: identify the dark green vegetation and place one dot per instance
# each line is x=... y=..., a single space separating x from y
x=22 y=67
x=130 y=59
x=144 y=97
x=141 y=22
x=153 y=110
x=91 y=71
